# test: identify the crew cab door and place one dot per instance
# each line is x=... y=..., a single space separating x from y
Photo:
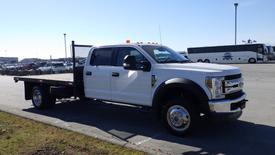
x=97 y=74
x=130 y=86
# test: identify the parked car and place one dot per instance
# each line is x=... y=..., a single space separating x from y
x=55 y=67
x=69 y=66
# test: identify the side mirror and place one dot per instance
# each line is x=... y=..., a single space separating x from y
x=130 y=62
x=145 y=66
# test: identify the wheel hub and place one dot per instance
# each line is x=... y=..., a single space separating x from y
x=37 y=98
x=178 y=117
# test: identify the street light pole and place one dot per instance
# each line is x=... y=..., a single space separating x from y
x=236 y=6
x=65 y=47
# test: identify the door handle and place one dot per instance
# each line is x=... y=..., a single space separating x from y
x=89 y=73
x=115 y=74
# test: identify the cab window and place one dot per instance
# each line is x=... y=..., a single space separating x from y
x=124 y=51
x=102 y=57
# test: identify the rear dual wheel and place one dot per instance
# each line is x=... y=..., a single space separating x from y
x=41 y=98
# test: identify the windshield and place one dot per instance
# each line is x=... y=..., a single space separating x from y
x=266 y=51
x=58 y=64
x=270 y=49
x=163 y=54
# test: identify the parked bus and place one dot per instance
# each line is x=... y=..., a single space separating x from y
x=271 y=53
x=248 y=53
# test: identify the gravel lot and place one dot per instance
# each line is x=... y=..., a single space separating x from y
x=254 y=133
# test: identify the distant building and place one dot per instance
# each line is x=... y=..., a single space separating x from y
x=30 y=60
x=8 y=60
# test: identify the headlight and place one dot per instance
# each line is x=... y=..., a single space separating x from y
x=215 y=86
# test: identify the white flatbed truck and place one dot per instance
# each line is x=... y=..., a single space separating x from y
x=147 y=75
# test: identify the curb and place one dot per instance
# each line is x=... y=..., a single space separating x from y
x=60 y=124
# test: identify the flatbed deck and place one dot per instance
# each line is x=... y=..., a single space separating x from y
x=54 y=79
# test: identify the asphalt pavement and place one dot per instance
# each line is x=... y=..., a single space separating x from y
x=253 y=133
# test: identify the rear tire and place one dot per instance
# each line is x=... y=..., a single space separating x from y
x=207 y=61
x=179 y=116
x=252 y=60
x=41 y=99
x=200 y=60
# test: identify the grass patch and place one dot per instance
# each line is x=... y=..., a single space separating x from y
x=23 y=136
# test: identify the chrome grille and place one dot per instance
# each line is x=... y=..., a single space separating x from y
x=231 y=85
x=231 y=77
x=234 y=95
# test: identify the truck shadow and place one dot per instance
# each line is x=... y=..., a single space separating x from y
x=240 y=137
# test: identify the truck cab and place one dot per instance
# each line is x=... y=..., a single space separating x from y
x=157 y=77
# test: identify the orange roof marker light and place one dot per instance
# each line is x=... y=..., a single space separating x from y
x=128 y=41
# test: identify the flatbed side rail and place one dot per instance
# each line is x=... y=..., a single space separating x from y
x=44 y=81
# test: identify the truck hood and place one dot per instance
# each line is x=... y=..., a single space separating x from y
x=209 y=69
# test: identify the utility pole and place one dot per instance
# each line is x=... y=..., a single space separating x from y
x=65 y=47
x=236 y=7
x=51 y=64
x=160 y=39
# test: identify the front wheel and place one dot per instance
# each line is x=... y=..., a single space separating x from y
x=179 y=116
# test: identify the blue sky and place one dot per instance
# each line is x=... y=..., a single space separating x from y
x=33 y=28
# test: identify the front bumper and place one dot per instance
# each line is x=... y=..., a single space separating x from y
x=228 y=105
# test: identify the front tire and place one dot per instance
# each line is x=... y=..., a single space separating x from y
x=179 y=116
x=41 y=99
